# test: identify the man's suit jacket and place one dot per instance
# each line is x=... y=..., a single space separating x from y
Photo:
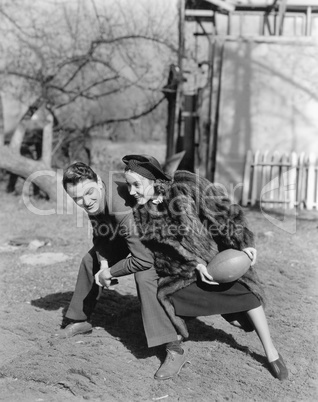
x=115 y=235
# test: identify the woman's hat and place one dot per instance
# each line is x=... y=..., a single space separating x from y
x=145 y=165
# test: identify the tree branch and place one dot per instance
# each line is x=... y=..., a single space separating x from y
x=103 y=41
x=133 y=117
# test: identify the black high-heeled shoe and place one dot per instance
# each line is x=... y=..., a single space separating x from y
x=278 y=368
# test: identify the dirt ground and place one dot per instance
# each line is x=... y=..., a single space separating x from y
x=114 y=363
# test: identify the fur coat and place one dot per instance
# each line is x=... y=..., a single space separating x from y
x=194 y=222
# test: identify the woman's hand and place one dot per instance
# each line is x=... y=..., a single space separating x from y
x=252 y=253
x=205 y=276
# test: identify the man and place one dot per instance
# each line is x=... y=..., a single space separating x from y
x=117 y=251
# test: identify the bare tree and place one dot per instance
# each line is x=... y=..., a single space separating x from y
x=91 y=57
x=94 y=62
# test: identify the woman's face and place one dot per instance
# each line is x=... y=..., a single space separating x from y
x=140 y=187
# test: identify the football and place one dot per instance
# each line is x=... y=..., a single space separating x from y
x=229 y=265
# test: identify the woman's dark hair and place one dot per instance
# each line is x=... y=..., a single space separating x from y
x=78 y=172
x=160 y=185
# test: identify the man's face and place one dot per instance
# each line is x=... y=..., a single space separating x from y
x=87 y=195
x=140 y=187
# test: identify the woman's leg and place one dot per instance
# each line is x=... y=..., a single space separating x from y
x=258 y=318
x=276 y=363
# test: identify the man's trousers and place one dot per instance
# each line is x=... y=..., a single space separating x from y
x=158 y=327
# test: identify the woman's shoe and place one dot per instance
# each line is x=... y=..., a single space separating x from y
x=278 y=368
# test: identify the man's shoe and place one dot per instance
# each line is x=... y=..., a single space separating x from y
x=172 y=365
x=75 y=328
x=278 y=368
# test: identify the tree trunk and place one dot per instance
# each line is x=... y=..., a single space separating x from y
x=44 y=177
x=17 y=138
x=37 y=172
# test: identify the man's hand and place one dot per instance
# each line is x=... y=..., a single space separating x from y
x=252 y=253
x=205 y=276
x=103 y=277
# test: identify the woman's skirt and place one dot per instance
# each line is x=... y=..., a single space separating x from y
x=201 y=299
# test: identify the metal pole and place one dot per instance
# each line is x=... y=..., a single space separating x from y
x=179 y=94
x=216 y=119
x=209 y=117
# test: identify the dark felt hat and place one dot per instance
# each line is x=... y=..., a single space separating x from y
x=145 y=165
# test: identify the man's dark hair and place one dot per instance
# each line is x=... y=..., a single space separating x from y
x=78 y=172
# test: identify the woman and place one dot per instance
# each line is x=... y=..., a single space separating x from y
x=185 y=222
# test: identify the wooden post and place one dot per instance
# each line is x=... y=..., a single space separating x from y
x=1 y=122
x=281 y=16
x=300 y=181
x=247 y=179
x=17 y=138
x=283 y=182
x=265 y=170
x=308 y=22
x=292 y=180
x=170 y=91
x=275 y=180
x=181 y=10
x=316 y=183
x=47 y=141
x=254 y=193
x=310 y=193
x=171 y=126
x=24 y=123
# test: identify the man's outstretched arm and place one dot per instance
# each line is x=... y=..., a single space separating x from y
x=139 y=257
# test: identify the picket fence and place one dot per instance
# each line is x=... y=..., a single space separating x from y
x=275 y=180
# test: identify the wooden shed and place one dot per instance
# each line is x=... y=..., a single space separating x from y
x=248 y=73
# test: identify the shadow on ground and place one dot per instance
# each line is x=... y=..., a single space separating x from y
x=119 y=315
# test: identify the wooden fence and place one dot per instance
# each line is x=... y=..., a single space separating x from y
x=276 y=180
